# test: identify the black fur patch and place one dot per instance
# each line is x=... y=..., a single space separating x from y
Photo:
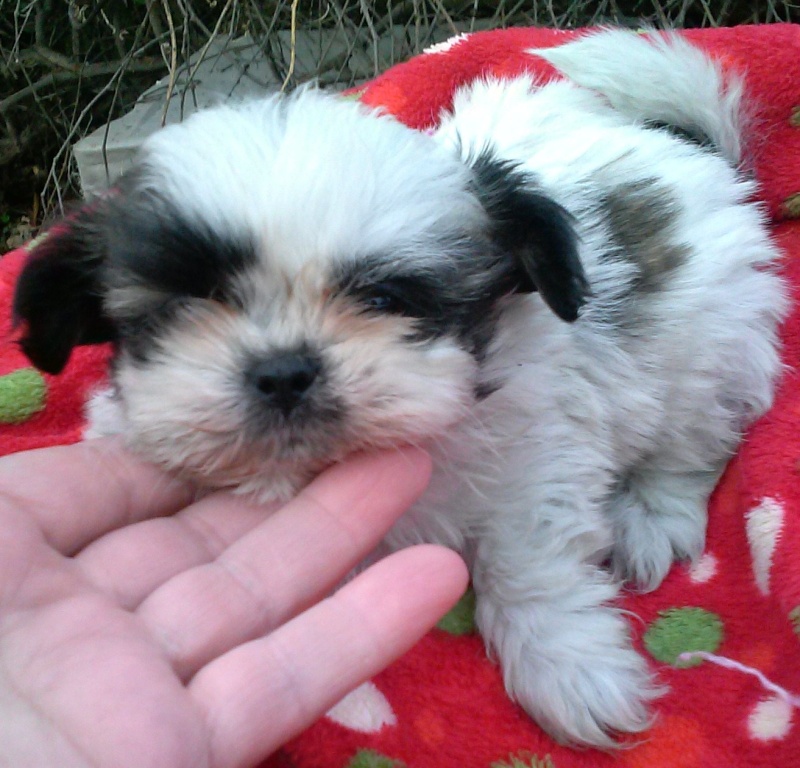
x=423 y=297
x=690 y=134
x=536 y=231
x=152 y=245
x=140 y=333
x=455 y=295
x=58 y=296
x=128 y=239
x=486 y=389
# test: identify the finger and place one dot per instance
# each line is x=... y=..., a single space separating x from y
x=130 y=563
x=79 y=492
x=287 y=563
x=261 y=694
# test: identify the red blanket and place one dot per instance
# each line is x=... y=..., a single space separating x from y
x=443 y=705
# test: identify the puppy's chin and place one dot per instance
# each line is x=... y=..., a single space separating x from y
x=262 y=482
x=263 y=472
x=219 y=454
x=266 y=470
x=211 y=456
x=216 y=450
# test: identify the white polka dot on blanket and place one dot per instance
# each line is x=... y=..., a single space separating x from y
x=770 y=719
x=764 y=524
x=365 y=710
x=704 y=569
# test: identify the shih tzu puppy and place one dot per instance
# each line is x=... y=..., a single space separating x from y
x=566 y=292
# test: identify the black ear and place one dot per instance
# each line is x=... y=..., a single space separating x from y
x=58 y=297
x=536 y=231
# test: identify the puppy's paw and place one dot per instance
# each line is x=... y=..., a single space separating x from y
x=579 y=678
x=586 y=702
x=647 y=544
x=654 y=528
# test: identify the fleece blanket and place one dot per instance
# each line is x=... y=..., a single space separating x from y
x=734 y=700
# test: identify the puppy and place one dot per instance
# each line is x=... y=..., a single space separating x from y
x=566 y=293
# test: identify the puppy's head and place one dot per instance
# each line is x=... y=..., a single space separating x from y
x=292 y=280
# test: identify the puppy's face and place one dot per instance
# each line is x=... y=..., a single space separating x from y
x=290 y=281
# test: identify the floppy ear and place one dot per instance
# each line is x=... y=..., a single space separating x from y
x=58 y=297
x=536 y=231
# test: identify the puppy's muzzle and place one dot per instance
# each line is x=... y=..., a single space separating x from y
x=284 y=380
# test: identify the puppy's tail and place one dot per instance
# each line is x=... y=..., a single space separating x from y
x=658 y=79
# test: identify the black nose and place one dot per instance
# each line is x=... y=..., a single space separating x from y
x=285 y=379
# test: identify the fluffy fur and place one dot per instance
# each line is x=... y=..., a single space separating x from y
x=565 y=293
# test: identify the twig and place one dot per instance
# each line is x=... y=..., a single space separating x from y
x=72 y=14
x=88 y=70
x=42 y=9
x=155 y=21
x=201 y=56
x=367 y=16
x=173 y=61
x=292 y=46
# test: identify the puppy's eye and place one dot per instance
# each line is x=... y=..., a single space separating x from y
x=396 y=298
x=409 y=296
x=381 y=301
x=220 y=295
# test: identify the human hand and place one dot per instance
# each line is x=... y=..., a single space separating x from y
x=140 y=629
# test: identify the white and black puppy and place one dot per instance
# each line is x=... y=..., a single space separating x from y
x=566 y=293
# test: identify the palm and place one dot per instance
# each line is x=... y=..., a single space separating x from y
x=188 y=640
x=109 y=673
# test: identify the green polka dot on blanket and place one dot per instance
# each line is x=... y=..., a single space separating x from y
x=683 y=630
x=460 y=620
x=22 y=395
x=367 y=758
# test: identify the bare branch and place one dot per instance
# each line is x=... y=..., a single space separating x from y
x=173 y=59
x=87 y=71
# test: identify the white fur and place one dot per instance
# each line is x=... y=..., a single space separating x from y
x=605 y=439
